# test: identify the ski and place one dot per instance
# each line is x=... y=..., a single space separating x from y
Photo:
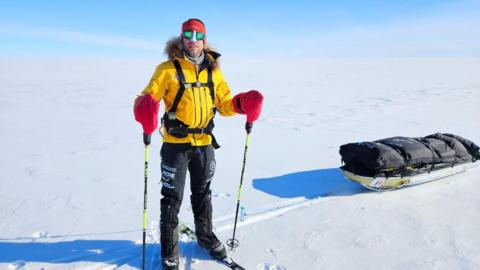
x=227 y=261
x=231 y=263
x=185 y=230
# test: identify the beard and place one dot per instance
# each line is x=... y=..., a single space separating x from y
x=193 y=52
x=191 y=49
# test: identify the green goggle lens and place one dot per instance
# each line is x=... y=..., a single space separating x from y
x=192 y=35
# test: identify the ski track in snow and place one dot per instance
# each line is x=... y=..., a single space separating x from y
x=10 y=208
x=265 y=214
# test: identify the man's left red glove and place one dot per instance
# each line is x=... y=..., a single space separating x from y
x=249 y=103
x=146 y=112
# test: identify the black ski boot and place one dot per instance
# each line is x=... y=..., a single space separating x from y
x=202 y=211
x=218 y=251
x=170 y=263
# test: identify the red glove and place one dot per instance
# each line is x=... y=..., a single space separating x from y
x=249 y=103
x=146 y=112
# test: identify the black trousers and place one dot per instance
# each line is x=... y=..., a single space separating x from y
x=200 y=162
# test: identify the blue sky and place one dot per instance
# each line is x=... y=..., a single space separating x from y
x=312 y=29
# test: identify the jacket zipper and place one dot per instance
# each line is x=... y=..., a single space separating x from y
x=194 y=105
x=204 y=93
x=201 y=100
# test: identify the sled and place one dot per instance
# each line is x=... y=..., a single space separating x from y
x=405 y=161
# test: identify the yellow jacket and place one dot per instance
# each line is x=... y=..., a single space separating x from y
x=195 y=108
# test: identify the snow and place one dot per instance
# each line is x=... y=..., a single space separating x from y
x=72 y=166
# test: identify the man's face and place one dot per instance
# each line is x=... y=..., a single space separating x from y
x=193 y=48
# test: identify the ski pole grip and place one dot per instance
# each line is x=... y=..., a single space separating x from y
x=248 y=127
x=147 y=138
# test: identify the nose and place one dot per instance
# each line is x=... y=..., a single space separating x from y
x=192 y=43
x=189 y=41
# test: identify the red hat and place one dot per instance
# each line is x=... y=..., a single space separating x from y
x=194 y=25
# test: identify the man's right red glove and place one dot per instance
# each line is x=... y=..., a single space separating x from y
x=146 y=112
x=249 y=103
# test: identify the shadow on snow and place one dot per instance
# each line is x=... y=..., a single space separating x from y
x=309 y=184
x=113 y=252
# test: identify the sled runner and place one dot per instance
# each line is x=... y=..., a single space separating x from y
x=389 y=183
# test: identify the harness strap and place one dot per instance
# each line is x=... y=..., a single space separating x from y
x=184 y=85
x=181 y=90
x=210 y=84
x=195 y=84
x=181 y=129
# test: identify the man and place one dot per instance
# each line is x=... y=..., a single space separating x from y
x=193 y=89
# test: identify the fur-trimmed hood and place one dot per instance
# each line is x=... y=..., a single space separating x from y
x=174 y=48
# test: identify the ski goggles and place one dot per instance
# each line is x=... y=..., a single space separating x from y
x=194 y=35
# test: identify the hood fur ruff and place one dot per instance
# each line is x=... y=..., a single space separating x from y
x=174 y=49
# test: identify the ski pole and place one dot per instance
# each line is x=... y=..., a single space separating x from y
x=146 y=140
x=233 y=243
